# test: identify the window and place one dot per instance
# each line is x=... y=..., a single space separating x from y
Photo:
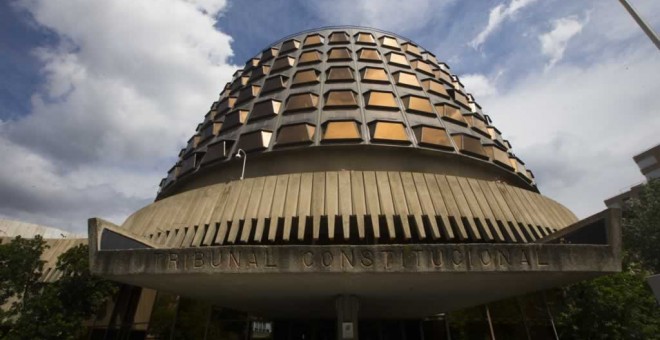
x=451 y=113
x=418 y=104
x=412 y=49
x=254 y=141
x=340 y=98
x=498 y=156
x=422 y=66
x=283 y=63
x=313 y=40
x=235 y=118
x=302 y=102
x=397 y=59
x=340 y=74
x=339 y=54
x=290 y=45
x=469 y=144
x=389 y=42
x=339 y=38
x=309 y=57
x=274 y=84
x=365 y=38
x=259 y=72
x=265 y=109
x=406 y=79
x=435 y=87
x=374 y=74
x=369 y=55
x=393 y=132
x=433 y=137
x=248 y=93
x=341 y=130
x=296 y=134
x=269 y=54
x=380 y=99
x=305 y=77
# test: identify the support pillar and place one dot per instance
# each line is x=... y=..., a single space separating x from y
x=347 y=320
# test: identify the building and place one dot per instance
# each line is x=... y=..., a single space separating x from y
x=11 y=229
x=649 y=162
x=649 y=165
x=57 y=242
x=344 y=185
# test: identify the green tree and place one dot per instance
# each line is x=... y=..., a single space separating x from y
x=57 y=310
x=618 y=306
x=641 y=233
x=20 y=269
x=622 y=305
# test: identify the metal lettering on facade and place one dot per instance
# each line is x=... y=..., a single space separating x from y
x=354 y=259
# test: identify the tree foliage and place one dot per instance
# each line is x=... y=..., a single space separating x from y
x=47 y=311
x=20 y=269
x=641 y=234
x=618 y=306
x=621 y=305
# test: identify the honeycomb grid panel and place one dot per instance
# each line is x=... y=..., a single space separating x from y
x=412 y=75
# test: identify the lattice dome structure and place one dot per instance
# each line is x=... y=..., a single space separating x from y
x=352 y=135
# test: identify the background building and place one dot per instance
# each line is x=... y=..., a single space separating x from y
x=649 y=165
x=57 y=241
x=11 y=229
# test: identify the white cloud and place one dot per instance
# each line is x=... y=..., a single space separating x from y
x=496 y=18
x=553 y=43
x=209 y=6
x=578 y=129
x=123 y=90
x=578 y=125
x=392 y=15
x=479 y=85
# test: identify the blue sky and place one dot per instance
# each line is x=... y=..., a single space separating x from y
x=96 y=98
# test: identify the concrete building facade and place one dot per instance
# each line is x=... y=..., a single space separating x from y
x=648 y=163
x=344 y=185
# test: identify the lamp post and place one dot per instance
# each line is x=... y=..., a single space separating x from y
x=642 y=24
x=241 y=154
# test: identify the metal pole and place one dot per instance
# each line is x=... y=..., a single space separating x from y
x=447 y=329
x=490 y=323
x=176 y=316
x=208 y=323
x=524 y=318
x=552 y=320
x=421 y=329
x=638 y=19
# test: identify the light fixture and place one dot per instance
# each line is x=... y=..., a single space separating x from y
x=244 y=156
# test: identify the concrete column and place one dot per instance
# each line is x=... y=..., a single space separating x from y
x=347 y=320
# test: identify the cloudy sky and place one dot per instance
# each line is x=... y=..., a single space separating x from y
x=97 y=97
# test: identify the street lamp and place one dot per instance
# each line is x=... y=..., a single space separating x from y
x=642 y=24
x=244 y=156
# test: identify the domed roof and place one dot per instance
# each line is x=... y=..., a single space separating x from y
x=346 y=135
x=335 y=96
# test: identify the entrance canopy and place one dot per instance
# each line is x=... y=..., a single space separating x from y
x=390 y=280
